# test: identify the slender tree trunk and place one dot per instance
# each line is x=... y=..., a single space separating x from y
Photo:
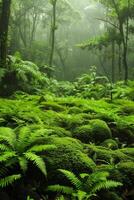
x=113 y=61
x=53 y=29
x=124 y=55
x=120 y=61
x=4 y=23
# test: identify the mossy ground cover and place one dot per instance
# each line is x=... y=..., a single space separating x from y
x=88 y=134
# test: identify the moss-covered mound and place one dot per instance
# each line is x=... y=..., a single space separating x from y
x=68 y=155
x=96 y=131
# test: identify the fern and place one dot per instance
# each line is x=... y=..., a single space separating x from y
x=60 y=198
x=86 y=186
x=37 y=160
x=7 y=155
x=60 y=189
x=4 y=182
x=72 y=178
x=20 y=147
x=105 y=185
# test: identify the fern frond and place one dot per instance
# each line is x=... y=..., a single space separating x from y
x=4 y=147
x=60 y=189
x=99 y=176
x=60 y=198
x=23 y=163
x=37 y=160
x=7 y=135
x=72 y=178
x=106 y=185
x=4 y=182
x=24 y=134
x=7 y=155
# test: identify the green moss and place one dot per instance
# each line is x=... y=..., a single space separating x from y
x=110 y=143
x=84 y=133
x=95 y=131
x=100 y=130
x=68 y=155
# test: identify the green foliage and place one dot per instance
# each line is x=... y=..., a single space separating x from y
x=20 y=146
x=37 y=130
x=22 y=75
x=86 y=185
x=9 y=180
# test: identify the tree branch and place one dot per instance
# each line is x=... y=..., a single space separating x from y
x=104 y=20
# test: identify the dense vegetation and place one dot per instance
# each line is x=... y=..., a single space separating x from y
x=66 y=138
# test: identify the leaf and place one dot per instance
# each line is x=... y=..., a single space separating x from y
x=37 y=160
x=106 y=185
x=60 y=189
x=7 y=155
x=72 y=177
x=23 y=163
x=4 y=182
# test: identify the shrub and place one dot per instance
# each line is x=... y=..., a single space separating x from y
x=21 y=75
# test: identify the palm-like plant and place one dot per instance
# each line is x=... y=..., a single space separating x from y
x=20 y=147
x=85 y=186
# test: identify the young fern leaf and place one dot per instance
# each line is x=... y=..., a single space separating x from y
x=37 y=160
x=4 y=182
x=81 y=195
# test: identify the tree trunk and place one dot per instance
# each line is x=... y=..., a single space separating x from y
x=124 y=38
x=4 y=23
x=113 y=61
x=53 y=29
x=120 y=62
